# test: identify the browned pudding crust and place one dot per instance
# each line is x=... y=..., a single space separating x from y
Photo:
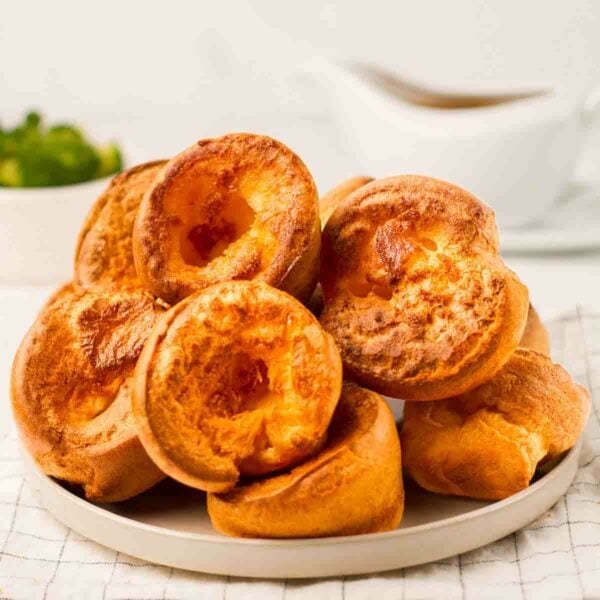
x=71 y=391
x=104 y=255
x=352 y=486
x=487 y=443
x=329 y=202
x=535 y=336
x=238 y=379
x=241 y=206
x=417 y=297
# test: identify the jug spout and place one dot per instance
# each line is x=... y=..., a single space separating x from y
x=374 y=81
x=356 y=101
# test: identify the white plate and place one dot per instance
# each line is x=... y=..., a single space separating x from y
x=169 y=525
x=572 y=226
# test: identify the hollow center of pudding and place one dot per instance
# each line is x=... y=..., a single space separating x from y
x=249 y=385
x=211 y=223
x=88 y=402
x=387 y=255
x=81 y=410
x=245 y=387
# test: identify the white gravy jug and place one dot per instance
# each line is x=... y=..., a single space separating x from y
x=515 y=148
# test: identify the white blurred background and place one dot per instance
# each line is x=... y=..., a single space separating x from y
x=166 y=73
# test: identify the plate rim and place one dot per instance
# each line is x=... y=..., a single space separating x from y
x=217 y=538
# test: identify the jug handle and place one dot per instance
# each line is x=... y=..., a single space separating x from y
x=590 y=109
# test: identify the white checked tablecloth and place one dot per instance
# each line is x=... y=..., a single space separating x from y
x=556 y=556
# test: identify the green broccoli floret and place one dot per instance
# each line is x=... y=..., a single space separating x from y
x=111 y=160
x=29 y=129
x=10 y=174
x=33 y=120
x=49 y=161
x=4 y=143
x=66 y=133
x=32 y=155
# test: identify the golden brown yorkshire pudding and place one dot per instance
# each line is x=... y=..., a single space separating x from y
x=329 y=202
x=238 y=379
x=104 y=256
x=353 y=485
x=241 y=206
x=71 y=391
x=417 y=297
x=487 y=443
x=535 y=336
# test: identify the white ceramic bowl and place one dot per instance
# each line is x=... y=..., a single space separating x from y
x=39 y=228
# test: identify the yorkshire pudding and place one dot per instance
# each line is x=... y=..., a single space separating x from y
x=353 y=485
x=238 y=379
x=535 y=336
x=241 y=206
x=487 y=443
x=417 y=297
x=104 y=256
x=71 y=391
x=329 y=202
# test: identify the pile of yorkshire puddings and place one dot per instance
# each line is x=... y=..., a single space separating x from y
x=215 y=334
